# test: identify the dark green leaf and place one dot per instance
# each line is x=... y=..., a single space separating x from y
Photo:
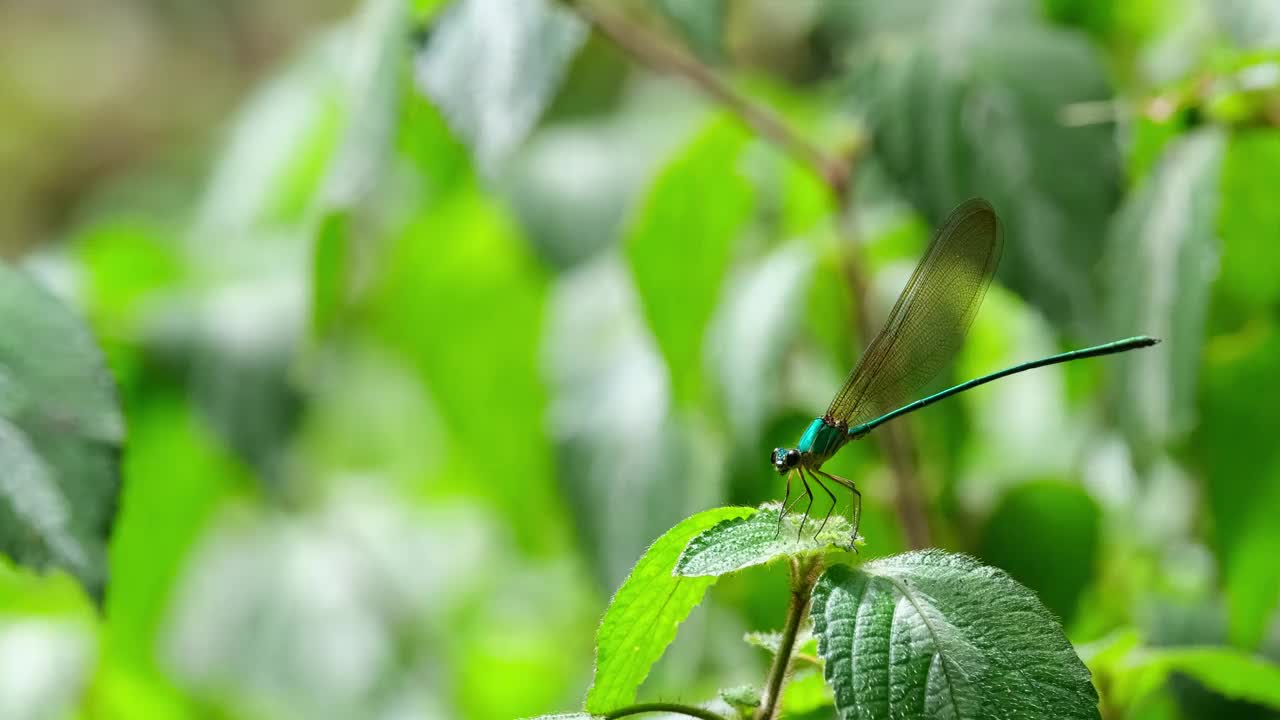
x=1159 y=270
x=492 y=66
x=696 y=208
x=756 y=539
x=933 y=635
x=643 y=616
x=1045 y=520
x=958 y=113
x=60 y=437
x=1236 y=444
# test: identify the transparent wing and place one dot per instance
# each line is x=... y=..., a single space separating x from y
x=930 y=319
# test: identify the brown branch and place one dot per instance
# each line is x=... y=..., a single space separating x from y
x=896 y=443
x=659 y=54
x=834 y=171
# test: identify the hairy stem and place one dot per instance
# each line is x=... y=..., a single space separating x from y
x=835 y=171
x=690 y=710
x=804 y=574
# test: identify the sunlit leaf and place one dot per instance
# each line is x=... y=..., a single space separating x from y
x=646 y=611
x=329 y=265
x=1159 y=269
x=176 y=476
x=492 y=66
x=1230 y=673
x=933 y=635
x=60 y=437
x=680 y=243
x=758 y=538
x=806 y=692
x=456 y=263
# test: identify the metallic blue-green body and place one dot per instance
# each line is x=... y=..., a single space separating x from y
x=820 y=441
x=824 y=437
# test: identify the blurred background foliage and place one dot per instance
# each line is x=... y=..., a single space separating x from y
x=427 y=317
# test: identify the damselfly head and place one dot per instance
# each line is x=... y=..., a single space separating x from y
x=785 y=459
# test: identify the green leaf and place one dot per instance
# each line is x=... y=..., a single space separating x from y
x=1231 y=673
x=492 y=66
x=1045 y=520
x=766 y=300
x=701 y=22
x=694 y=211
x=1236 y=445
x=375 y=60
x=808 y=691
x=1159 y=271
x=568 y=716
x=457 y=261
x=176 y=477
x=1249 y=23
x=1250 y=173
x=329 y=272
x=957 y=110
x=60 y=437
x=643 y=616
x=742 y=697
x=756 y=539
x=935 y=635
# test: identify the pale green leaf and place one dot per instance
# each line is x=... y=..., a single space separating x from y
x=1160 y=266
x=758 y=538
x=60 y=436
x=936 y=635
x=1231 y=673
x=691 y=215
x=568 y=716
x=492 y=66
x=643 y=616
x=806 y=692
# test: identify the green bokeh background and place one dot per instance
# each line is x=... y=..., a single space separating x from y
x=428 y=317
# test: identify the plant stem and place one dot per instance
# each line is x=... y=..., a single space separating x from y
x=661 y=55
x=836 y=173
x=895 y=440
x=690 y=710
x=804 y=574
